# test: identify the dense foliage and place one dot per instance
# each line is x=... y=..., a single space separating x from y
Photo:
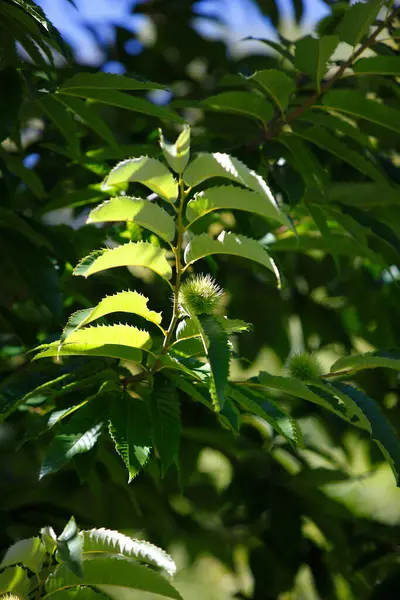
x=233 y=341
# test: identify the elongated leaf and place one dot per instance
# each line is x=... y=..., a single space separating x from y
x=357 y=21
x=218 y=354
x=166 y=422
x=206 y=166
x=379 y=228
x=29 y=552
x=364 y=195
x=177 y=155
x=320 y=219
x=337 y=123
x=114 y=577
x=378 y=65
x=144 y=213
x=325 y=140
x=113 y=542
x=388 y=359
x=380 y=429
x=69 y=547
x=228 y=243
x=242 y=103
x=122 y=100
x=115 y=341
x=90 y=194
x=141 y=254
x=355 y=104
x=62 y=119
x=15 y=580
x=89 y=117
x=305 y=162
x=196 y=391
x=148 y=171
x=130 y=429
x=10 y=220
x=230 y=197
x=268 y=410
x=279 y=48
x=312 y=55
x=80 y=593
x=29 y=177
x=276 y=84
x=107 y=81
x=79 y=435
x=126 y=302
x=189 y=328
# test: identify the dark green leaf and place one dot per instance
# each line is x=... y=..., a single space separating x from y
x=166 y=421
x=69 y=547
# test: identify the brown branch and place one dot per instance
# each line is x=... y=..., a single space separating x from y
x=275 y=126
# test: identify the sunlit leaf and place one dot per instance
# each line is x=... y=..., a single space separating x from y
x=177 y=155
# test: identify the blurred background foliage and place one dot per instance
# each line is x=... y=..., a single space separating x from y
x=245 y=517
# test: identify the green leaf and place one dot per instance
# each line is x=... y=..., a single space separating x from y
x=279 y=48
x=324 y=139
x=28 y=176
x=242 y=103
x=196 y=391
x=107 y=81
x=143 y=254
x=49 y=539
x=63 y=120
x=321 y=221
x=122 y=100
x=69 y=547
x=312 y=55
x=177 y=155
x=130 y=429
x=29 y=552
x=377 y=65
x=143 y=212
x=11 y=220
x=268 y=410
x=215 y=340
x=305 y=162
x=80 y=593
x=112 y=542
x=338 y=123
x=371 y=224
x=387 y=359
x=228 y=243
x=364 y=195
x=166 y=422
x=15 y=581
x=380 y=428
x=206 y=166
x=148 y=171
x=115 y=341
x=235 y=198
x=276 y=84
x=89 y=194
x=126 y=302
x=89 y=117
x=357 y=21
x=79 y=435
x=114 y=577
x=355 y=104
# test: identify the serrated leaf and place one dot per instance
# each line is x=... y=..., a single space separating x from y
x=130 y=429
x=115 y=341
x=148 y=171
x=196 y=391
x=177 y=155
x=107 y=81
x=312 y=55
x=241 y=103
x=377 y=65
x=228 y=243
x=268 y=410
x=114 y=577
x=62 y=119
x=388 y=359
x=324 y=139
x=206 y=166
x=89 y=117
x=188 y=328
x=355 y=104
x=122 y=100
x=215 y=340
x=15 y=581
x=126 y=302
x=30 y=552
x=143 y=254
x=69 y=547
x=113 y=542
x=143 y=212
x=79 y=435
x=229 y=197
x=166 y=422
x=381 y=430
x=276 y=84
x=357 y=21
